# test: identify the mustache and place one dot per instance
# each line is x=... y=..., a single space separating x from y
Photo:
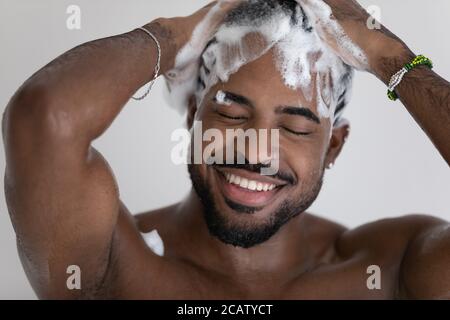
x=256 y=168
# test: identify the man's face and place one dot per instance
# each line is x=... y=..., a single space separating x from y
x=257 y=98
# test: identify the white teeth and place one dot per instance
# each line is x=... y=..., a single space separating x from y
x=252 y=185
x=249 y=184
x=244 y=183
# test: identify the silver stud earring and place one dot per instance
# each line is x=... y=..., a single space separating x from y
x=330 y=166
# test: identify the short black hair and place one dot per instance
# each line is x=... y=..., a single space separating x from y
x=255 y=13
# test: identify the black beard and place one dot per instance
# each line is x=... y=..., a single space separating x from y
x=248 y=236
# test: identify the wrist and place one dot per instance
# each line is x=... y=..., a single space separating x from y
x=390 y=60
x=160 y=28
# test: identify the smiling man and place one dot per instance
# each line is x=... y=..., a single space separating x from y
x=277 y=65
x=234 y=209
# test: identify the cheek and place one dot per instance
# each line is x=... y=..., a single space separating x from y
x=208 y=143
x=306 y=158
x=307 y=169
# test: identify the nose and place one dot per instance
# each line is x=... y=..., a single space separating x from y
x=258 y=143
x=263 y=150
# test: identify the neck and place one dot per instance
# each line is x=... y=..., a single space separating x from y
x=288 y=253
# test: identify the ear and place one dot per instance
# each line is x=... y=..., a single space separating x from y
x=339 y=136
x=192 y=110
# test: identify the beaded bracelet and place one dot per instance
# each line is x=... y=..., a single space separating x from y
x=398 y=77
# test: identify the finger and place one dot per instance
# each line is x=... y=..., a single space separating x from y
x=224 y=5
x=217 y=13
x=208 y=6
x=229 y=4
x=216 y=10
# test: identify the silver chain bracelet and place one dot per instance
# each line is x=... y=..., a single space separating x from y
x=157 y=67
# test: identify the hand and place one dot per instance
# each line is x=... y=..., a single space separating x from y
x=190 y=33
x=342 y=24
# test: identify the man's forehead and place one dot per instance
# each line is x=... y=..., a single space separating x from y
x=261 y=82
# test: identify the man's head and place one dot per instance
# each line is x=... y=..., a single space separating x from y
x=266 y=69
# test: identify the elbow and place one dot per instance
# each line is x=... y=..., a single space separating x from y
x=34 y=113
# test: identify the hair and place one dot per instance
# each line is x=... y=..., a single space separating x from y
x=254 y=13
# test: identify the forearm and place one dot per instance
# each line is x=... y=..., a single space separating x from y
x=425 y=95
x=86 y=88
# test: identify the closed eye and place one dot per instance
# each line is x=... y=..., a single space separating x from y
x=297 y=133
x=231 y=117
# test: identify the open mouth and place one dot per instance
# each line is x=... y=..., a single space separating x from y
x=248 y=188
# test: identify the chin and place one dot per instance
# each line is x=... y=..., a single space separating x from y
x=245 y=209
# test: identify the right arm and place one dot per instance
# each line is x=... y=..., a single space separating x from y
x=61 y=194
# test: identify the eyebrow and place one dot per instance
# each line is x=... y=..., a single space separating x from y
x=238 y=99
x=299 y=111
x=289 y=110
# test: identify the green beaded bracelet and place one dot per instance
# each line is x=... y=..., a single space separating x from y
x=420 y=60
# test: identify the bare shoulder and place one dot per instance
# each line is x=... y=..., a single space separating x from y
x=425 y=270
x=394 y=234
x=382 y=239
x=417 y=246
x=155 y=219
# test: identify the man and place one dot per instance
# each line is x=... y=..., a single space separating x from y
x=238 y=234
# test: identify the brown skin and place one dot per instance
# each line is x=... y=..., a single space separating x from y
x=66 y=208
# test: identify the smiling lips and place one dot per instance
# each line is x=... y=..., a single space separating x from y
x=248 y=189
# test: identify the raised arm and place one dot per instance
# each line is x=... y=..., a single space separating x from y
x=425 y=271
x=343 y=24
x=62 y=196
x=425 y=95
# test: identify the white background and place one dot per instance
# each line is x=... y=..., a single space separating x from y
x=388 y=168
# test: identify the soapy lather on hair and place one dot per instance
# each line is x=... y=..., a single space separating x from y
x=249 y=31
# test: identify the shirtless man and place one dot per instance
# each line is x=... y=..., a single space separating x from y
x=66 y=209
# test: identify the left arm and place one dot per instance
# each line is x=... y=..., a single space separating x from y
x=425 y=270
x=424 y=93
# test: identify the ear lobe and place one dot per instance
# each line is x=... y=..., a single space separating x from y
x=192 y=110
x=340 y=134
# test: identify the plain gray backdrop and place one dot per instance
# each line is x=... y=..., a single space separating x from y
x=388 y=168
